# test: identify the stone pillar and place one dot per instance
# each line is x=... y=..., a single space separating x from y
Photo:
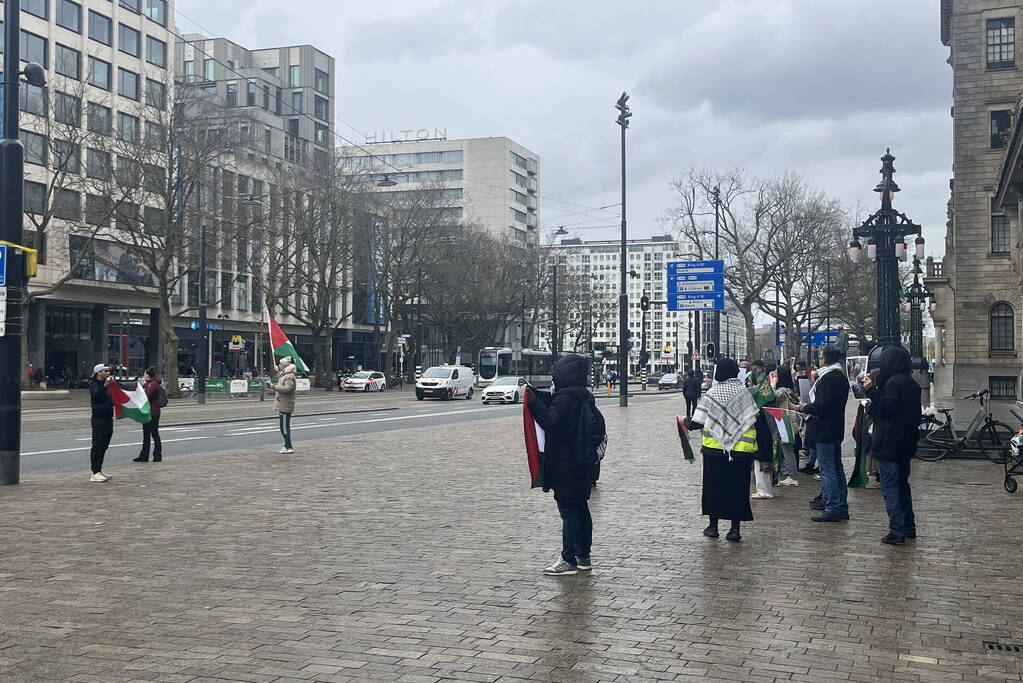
x=155 y=349
x=37 y=333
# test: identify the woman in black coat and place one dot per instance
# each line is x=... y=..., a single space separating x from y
x=564 y=469
x=895 y=409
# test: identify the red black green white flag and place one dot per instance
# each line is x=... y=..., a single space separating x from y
x=134 y=406
x=535 y=441
x=282 y=346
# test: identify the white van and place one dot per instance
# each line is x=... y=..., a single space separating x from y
x=446 y=382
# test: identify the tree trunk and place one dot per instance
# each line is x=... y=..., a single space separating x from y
x=747 y=318
x=169 y=341
x=26 y=381
x=321 y=343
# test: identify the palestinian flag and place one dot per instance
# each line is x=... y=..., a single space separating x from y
x=535 y=440
x=781 y=426
x=683 y=437
x=134 y=405
x=282 y=346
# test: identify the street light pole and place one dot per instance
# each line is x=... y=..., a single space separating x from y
x=202 y=368
x=827 y=303
x=717 y=256
x=916 y=295
x=554 y=316
x=419 y=322
x=623 y=296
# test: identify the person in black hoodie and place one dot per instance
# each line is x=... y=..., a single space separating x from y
x=895 y=408
x=564 y=469
x=102 y=419
x=692 y=387
x=825 y=428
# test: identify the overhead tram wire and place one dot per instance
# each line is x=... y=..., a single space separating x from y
x=499 y=190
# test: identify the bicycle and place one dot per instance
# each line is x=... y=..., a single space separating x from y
x=990 y=435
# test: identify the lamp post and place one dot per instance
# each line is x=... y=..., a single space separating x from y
x=717 y=255
x=916 y=295
x=623 y=296
x=201 y=367
x=418 y=361
x=554 y=313
x=885 y=232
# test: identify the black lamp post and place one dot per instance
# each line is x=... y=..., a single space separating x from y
x=885 y=232
x=916 y=295
x=623 y=295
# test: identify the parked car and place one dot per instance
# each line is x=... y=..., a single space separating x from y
x=365 y=380
x=505 y=390
x=446 y=382
x=671 y=380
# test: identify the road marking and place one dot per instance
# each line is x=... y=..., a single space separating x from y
x=114 y=445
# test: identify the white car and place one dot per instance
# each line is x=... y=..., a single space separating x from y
x=505 y=390
x=366 y=380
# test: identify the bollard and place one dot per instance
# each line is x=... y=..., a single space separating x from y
x=419 y=372
x=642 y=378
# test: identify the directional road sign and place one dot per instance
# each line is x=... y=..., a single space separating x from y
x=688 y=267
x=696 y=285
x=821 y=338
x=3 y=265
x=696 y=282
x=704 y=301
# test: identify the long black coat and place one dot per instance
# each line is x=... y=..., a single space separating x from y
x=895 y=408
x=826 y=421
x=563 y=469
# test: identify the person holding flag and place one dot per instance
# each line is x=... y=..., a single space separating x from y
x=102 y=420
x=151 y=429
x=284 y=400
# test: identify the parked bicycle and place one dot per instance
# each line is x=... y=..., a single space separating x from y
x=941 y=438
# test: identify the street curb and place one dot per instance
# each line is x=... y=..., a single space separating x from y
x=273 y=417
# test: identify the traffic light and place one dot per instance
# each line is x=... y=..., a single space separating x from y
x=644 y=302
x=710 y=352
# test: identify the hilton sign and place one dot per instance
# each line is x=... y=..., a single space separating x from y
x=406 y=135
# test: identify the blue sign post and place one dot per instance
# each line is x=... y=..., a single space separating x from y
x=696 y=285
x=3 y=265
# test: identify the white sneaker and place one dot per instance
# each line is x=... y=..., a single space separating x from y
x=289 y=450
x=99 y=476
x=560 y=568
x=817 y=477
x=788 y=481
x=284 y=450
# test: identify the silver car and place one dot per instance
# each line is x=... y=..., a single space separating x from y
x=505 y=390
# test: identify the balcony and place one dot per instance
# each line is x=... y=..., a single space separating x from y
x=532 y=184
x=531 y=220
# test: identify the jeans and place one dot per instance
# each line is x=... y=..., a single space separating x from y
x=151 y=430
x=789 y=464
x=576 y=530
x=811 y=455
x=898 y=499
x=102 y=432
x=834 y=489
x=285 y=423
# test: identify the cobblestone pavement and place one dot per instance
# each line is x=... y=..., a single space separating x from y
x=416 y=556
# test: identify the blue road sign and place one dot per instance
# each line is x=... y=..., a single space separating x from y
x=691 y=267
x=686 y=282
x=822 y=338
x=701 y=301
x=3 y=265
x=209 y=326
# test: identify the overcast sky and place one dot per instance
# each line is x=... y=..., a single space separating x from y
x=818 y=87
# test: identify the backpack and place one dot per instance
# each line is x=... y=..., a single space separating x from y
x=592 y=434
x=162 y=401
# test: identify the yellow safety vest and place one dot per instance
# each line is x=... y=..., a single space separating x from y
x=747 y=442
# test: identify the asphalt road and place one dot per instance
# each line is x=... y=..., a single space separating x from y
x=58 y=450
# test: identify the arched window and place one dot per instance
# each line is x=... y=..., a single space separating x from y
x=1002 y=328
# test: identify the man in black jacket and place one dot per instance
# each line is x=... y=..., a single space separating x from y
x=102 y=419
x=825 y=427
x=692 y=387
x=564 y=470
x=895 y=407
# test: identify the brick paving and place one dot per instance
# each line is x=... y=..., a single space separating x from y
x=416 y=556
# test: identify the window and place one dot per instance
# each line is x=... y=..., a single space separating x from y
x=69 y=15
x=97 y=210
x=1002 y=387
x=1001 y=121
x=97 y=164
x=154 y=178
x=154 y=135
x=321 y=81
x=189 y=70
x=296 y=101
x=267 y=140
x=453 y=155
x=156 y=10
x=156 y=94
x=517 y=215
x=129 y=41
x=127 y=127
x=241 y=291
x=320 y=134
x=35 y=147
x=35 y=197
x=295 y=76
x=321 y=109
x=1001 y=43
x=1002 y=333
x=33 y=99
x=430 y=157
x=100 y=118
x=156 y=52
x=209 y=69
x=519 y=161
x=128 y=83
x=101 y=28
x=33 y=49
x=127 y=216
x=226 y=282
x=67 y=204
x=67 y=109
x=134 y=5
x=293 y=127
x=36 y=7
x=250 y=94
x=99 y=73
x=232 y=94
x=999 y=234
x=67 y=156
x=68 y=61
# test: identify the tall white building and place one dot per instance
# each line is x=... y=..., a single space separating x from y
x=599 y=260
x=490 y=181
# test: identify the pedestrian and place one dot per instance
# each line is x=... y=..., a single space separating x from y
x=691 y=389
x=565 y=470
x=763 y=396
x=102 y=420
x=151 y=429
x=284 y=400
x=895 y=409
x=825 y=427
x=726 y=415
x=785 y=398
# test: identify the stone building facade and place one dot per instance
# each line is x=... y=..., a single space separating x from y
x=977 y=284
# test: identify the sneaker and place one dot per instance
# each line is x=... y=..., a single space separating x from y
x=806 y=469
x=560 y=568
x=827 y=517
x=711 y=532
x=141 y=459
x=894 y=539
x=760 y=496
x=733 y=535
x=817 y=505
x=106 y=476
x=583 y=562
x=788 y=481
x=817 y=477
x=98 y=477
x=284 y=450
x=289 y=450
x=815 y=501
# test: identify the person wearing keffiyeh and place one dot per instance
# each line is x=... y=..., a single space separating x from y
x=726 y=415
x=763 y=465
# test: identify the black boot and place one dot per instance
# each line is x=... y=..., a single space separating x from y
x=141 y=458
x=712 y=529
x=733 y=533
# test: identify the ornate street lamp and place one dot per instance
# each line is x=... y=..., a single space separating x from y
x=885 y=233
x=916 y=295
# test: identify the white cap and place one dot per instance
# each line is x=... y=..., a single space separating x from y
x=101 y=366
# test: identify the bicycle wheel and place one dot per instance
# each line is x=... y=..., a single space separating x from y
x=937 y=440
x=994 y=438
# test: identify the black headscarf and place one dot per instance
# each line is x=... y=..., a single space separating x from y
x=725 y=369
x=894 y=360
x=784 y=378
x=570 y=371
